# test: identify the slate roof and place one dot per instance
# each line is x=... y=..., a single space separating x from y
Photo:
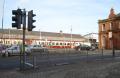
x=37 y=33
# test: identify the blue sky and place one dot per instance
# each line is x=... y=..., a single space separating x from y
x=56 y=15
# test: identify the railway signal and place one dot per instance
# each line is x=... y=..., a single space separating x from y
x=17 y=18
x=31 y=20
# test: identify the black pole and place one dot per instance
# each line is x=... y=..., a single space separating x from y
x=113 y=50
x=24 y=28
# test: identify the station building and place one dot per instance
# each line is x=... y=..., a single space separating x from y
x=48 y=39
x=109 y=31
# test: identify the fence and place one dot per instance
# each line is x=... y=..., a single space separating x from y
x=45 y=60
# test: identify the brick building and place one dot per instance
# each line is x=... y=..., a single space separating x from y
x=109 y=31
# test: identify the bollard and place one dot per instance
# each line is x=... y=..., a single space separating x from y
x=102 y=52
x=34 y=62
x=113 y=52
x=87 y=55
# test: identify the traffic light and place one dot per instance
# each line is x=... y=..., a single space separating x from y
x=30 y=20
x=17 y=18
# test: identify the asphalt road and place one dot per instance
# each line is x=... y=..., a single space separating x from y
x=48 y=59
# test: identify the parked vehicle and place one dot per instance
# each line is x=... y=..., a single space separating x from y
x=84 y=47
x=36 y=48
x=14 y=50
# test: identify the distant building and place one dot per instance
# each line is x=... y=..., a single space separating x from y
x=49 y=39
x=109 y=31
x=92 y=38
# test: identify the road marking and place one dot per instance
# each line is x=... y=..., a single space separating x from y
x=29 y=64
x=65 y=63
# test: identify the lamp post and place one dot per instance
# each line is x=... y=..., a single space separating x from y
x=9 y=37
x=71 y=38
x=40 y=36
x=112 y=43
x=2 y=20
x=113 y=50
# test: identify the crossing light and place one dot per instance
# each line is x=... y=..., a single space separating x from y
x=17 y=18
x=31 y=20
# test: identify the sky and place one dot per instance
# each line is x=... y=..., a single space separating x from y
x=55 y=15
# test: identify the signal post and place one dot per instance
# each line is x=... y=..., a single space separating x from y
x=19 y=19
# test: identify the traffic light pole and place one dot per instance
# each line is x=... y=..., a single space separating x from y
x=24 y=28
x=22 y=53
x=20 y=18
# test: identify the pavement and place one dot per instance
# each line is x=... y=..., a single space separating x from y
x=84 y=69
x=72 y=66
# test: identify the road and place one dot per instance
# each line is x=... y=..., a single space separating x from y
x=50 y=59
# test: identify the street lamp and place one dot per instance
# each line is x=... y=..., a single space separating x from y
x=3 y=19
x=40 y=36
x=71 y=38
x=112 y=43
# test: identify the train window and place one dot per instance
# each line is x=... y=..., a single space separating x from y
x=47 y=43
x=42 y=43
x=65 y=43
x=53 y=43
x=14 y=42
x=60 y=43
x=8 y=42
x=5 y=42
x=57 y=43
x=68 y=43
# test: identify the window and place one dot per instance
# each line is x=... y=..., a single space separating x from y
x=53 y=43
x=43 y=43
x=68 y=43
x=103 y=27
x=65 y=43
x=57 y=44
x=60 y=43
x=119 y=25
x=111 y=24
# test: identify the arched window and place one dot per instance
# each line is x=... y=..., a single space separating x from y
x=111 y=24
x=103 y=27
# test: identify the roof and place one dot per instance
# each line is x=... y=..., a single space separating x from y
x=37 y=33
